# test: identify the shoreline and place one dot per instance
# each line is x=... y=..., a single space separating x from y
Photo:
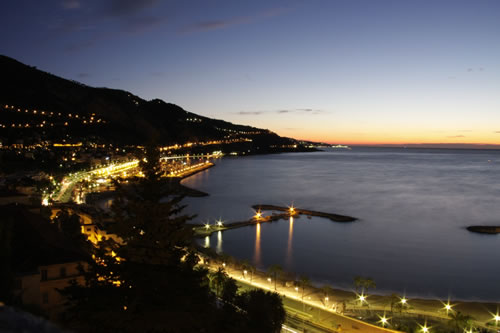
x=417 y=307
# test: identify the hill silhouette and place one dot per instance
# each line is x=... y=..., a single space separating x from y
x=36 y=105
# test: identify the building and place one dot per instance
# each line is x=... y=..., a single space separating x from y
x=42 y=260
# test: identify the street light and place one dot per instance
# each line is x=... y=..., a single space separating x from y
x=383 y=320
x=258 y=214
x=424 y=328
x=448 y=307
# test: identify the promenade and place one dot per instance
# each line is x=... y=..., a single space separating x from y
x=326 y=312
x=304 y=307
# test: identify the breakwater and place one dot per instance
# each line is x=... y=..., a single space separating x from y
x=295 y=211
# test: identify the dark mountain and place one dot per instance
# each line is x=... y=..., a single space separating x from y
x=38 y=106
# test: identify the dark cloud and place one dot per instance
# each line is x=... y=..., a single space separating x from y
x=127 y=7
x=71 y=4
x=456 y=136
x=83 y=75
x=470 y=70
x=76 y=47
x=137 y=25
x=220 y=24
x=282 y=111
x=214 y=25
x=250 y=113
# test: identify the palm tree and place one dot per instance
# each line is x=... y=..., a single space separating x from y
x=217 y=279
x=275 y=270
x=369 y=283
x=460 y=321
x=327 y=290
x=252 y=270
x=245 y=266
x=225 y=258
x=358 y=282
x=304 y=282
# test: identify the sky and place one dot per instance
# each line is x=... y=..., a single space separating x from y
x=336 y=71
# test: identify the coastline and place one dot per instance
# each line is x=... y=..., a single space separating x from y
x=346 y=302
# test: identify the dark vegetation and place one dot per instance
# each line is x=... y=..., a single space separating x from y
x=155 y=285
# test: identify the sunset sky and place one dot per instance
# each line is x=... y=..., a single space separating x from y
x=340 y=71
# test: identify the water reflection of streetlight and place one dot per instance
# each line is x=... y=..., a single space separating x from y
x=219 y=242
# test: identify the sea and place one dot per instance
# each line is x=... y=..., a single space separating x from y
x=413 y=207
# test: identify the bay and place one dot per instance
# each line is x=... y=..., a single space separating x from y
x=413 y=206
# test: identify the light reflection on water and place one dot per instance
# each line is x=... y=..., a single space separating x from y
x=257 y=259
x=413 y=206
x=289 y=245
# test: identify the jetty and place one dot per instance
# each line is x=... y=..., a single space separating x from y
x=285 y=214
x=484 y=229
x=295 y=211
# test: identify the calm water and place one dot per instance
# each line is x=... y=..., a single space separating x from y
x=413 y=206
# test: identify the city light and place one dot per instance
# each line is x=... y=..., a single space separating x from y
x=383 y=320
x=404 y=300
x=448 y=307
x=219 y=223
x=258 y=214
x=424 y=328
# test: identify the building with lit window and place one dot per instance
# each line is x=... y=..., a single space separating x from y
x=42 y=259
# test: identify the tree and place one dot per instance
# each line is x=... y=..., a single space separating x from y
x=148 y=282
x=358 y=282
x=69 y=225
x=304 y=282
x=6 y=274
x=369 y=283
x=459 y=321
x=217 y=279
x=276 y=271
x=364 y=283
x=327 y=291
x=264 y=310
x=229 y=290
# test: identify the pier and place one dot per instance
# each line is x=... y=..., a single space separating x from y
x=287 y=212
x=298 y=211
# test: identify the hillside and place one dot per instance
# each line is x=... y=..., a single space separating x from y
x=39 y=106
